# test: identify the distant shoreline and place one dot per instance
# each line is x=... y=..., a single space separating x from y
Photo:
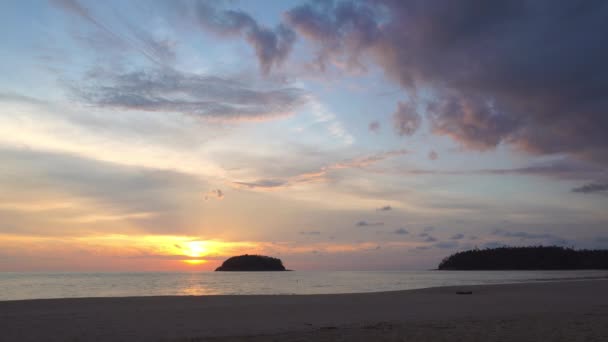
x=574 y=310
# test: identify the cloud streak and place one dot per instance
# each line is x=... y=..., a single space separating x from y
x=310 y=232
x=157 y=51
x=523 y=236
x=369 y=224
x=564 y=168
x=321 y=174
x=206 y=96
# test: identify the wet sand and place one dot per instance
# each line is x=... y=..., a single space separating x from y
x=555 y=311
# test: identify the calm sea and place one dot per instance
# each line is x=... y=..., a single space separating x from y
x=59 y=285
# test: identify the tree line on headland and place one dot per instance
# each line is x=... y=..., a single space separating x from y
x=526 y=258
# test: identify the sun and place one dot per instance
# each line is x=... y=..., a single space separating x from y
x=195 y=249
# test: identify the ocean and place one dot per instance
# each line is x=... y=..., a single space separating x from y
x=15 y=286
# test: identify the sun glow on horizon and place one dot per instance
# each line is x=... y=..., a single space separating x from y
x=160 y=251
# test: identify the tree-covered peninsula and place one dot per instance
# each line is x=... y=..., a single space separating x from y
x=526 y=258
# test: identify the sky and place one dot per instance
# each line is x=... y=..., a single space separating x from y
x=335 y=135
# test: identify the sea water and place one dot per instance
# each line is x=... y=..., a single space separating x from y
x=15 y=286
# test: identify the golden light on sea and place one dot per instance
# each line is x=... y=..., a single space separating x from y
x=195 y=261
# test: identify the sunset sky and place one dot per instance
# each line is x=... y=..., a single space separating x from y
x=346 y=135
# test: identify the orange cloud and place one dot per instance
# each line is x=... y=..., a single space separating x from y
x=319 y=175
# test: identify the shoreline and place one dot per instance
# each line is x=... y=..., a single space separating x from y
x=530 y=281
x=533 y=281
x=548 y=306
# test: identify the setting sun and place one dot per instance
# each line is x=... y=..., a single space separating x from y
x=195 y=249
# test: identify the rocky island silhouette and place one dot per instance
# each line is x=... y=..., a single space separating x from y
x=247 y=263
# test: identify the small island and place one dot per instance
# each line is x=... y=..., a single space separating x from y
x=248 y=263
x=526 y=258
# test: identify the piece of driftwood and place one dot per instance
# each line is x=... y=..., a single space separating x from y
x=464 y=292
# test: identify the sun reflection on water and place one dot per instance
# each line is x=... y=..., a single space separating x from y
x=194 y=261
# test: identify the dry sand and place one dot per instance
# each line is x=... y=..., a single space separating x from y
x=557 y=311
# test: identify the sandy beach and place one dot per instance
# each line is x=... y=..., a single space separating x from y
x=555 y=311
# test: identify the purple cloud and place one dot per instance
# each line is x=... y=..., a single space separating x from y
x=272 y=46
x=427 y=237
x=531 y=236
x=592 y=188
x=310 y=232
x=374 y=126
x=406 y=119
x=466 y=57
x=446 y=244
x=457 y=236
x=344 y=29
x=401 y=231
x=369 y=224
